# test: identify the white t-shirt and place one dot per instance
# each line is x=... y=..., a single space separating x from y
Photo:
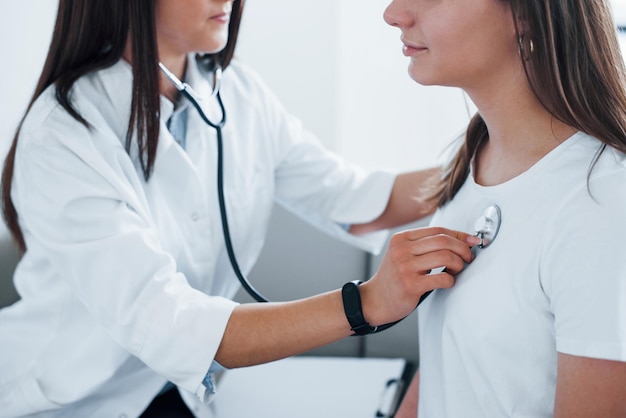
x=554 y=279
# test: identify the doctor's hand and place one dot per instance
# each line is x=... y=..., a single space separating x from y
x=405 y=275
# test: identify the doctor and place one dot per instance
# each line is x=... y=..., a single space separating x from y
x=109 y=190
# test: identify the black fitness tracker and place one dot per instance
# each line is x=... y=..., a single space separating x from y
x=353 y=309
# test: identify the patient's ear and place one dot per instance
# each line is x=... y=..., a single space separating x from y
x=521 y=21
x=523 y=33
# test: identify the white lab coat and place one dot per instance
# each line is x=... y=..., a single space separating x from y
x=126 y=283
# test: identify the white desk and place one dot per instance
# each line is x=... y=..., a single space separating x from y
x=311 y=387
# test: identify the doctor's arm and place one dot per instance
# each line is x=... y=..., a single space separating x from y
x=590 y=387
x=408 y=201
x=263 y=332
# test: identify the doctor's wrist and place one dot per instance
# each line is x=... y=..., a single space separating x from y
x=353 y=309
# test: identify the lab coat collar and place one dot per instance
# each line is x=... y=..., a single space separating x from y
x=117 y=82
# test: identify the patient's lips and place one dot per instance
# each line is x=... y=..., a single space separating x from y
x=411 y=49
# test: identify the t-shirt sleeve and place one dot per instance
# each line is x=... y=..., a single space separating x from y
x=583 y=270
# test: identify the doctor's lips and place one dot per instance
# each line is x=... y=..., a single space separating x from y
x=221 y=17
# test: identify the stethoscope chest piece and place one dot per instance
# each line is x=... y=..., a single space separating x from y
x=487 y=225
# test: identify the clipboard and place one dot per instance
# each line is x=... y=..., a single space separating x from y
x=313 y=387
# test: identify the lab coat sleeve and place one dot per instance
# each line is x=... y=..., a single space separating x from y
x=84 y=210
x=317 y=184
x=328 y=192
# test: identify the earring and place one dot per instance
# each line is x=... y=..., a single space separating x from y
x=526 y=47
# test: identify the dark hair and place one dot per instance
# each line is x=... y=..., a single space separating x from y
x=575 y=69
x=91 y=35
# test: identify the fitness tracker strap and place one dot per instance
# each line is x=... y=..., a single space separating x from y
x=353 y=309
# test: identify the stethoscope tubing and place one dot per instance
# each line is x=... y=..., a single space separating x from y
x=187 y=92
x=255 y=294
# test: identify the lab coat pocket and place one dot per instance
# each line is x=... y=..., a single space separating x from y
x=249 y=201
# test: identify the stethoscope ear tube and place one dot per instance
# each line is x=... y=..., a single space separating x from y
x=190 y=95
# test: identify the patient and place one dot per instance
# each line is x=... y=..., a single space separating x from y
x=536 y=326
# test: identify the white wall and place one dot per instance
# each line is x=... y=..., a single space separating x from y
x=386 y=118
x=619 y=12
x=343 y=74
x=288 y=43
x=25 y=33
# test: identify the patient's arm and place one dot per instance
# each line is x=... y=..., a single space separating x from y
x=589 y=388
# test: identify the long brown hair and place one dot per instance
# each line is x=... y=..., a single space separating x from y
x=575 y=69
x=91 y=35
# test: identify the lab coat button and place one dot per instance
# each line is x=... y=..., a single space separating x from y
x=195 y=216
x=123 y=416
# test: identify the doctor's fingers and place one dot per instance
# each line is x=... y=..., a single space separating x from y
x=415 y=242
x=420 y=233
x=403 y=277
x=442 y=261
x=426 y=272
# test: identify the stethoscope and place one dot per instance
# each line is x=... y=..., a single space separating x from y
x=486 y=226
x=186 y=90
